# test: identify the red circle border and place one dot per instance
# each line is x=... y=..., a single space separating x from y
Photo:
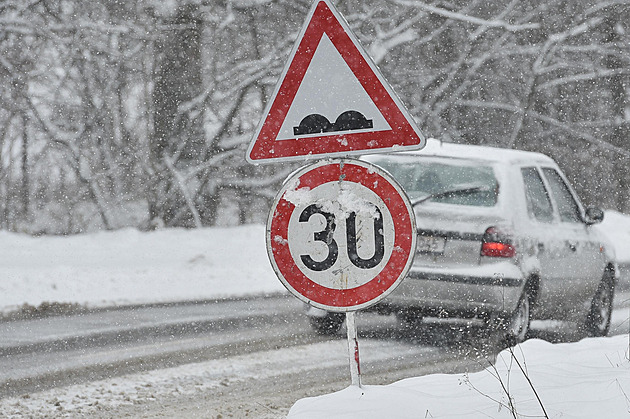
x=396 y=267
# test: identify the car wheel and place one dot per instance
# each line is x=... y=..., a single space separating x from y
x=518 y=324
x=513 y=328
x=598 y=319
x=327 y=325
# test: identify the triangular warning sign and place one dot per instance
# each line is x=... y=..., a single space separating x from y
x=331 y=100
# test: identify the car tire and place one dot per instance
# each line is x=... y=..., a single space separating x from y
x=327 y=325
x=598 y=318
x=513 y=328
x=518 y=324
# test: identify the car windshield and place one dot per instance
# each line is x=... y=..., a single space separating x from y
x=443 y=180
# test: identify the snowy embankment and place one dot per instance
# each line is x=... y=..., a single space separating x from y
x=131 y=267
x=588 y=379
x=616 y=227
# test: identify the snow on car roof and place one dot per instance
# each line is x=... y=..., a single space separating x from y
x=438 y=148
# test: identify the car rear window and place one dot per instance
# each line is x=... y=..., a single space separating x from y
x=444 y=180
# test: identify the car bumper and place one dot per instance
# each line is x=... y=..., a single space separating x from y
x=466 y=292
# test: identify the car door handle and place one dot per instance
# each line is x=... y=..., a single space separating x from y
x=541 y=247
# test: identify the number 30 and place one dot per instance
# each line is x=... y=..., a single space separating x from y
x=326 y=236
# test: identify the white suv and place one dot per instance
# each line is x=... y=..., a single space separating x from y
x=502 y=237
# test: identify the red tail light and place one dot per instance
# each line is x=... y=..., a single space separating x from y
x=497 y=244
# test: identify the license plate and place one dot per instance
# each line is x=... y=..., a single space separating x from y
x=431 y=244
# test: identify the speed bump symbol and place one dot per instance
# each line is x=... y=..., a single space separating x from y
x=347 y=121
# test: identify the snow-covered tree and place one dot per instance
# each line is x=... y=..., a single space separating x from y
x=140 y=112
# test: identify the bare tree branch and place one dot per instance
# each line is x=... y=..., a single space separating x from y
x=467 y=18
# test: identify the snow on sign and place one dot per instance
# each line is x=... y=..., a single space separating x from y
x=341 y=234
x=331 y=100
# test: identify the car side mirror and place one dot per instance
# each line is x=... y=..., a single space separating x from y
x=593 y=215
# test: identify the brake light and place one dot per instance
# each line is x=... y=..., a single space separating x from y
x=497 y=244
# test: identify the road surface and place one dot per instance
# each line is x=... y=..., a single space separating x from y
x=233 y=358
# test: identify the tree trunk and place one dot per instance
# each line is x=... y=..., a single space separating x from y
x=174 y=136
x=25 y=173
x=619 y=134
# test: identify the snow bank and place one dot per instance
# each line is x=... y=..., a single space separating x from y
x=132 y=267
x=587 y=379
x=616 y=226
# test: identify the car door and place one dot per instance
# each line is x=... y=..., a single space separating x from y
x=581 y=264
x=542 y=242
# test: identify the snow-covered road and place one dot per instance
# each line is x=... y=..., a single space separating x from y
x=217 y=356
x=228 y=358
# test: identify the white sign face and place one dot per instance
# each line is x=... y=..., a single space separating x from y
x=341 y=235
x=330 y=88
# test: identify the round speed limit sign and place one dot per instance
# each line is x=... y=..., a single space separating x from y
x=341 y=234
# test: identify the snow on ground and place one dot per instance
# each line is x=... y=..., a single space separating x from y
x=587 y=379
x=131 y=267
x=84 y=400
x=186 y=380
x=616 y=226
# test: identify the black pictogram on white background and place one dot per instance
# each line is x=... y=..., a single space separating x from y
x=347 y=121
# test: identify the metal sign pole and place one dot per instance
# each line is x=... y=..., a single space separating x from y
x=353 y=349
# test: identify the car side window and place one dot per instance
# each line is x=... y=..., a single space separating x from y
x=538 y=201
x=567 y=207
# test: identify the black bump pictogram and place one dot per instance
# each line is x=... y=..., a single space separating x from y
x=312 y=124
x=347 y=121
